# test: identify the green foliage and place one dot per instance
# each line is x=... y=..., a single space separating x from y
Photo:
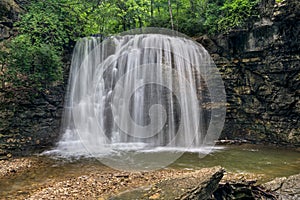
x=131 y=14
x=189 y=16
x=35 y=65
x=212 y=15
x=49 y=28
x=235 y=13
x=60 y=22
x=43 y=25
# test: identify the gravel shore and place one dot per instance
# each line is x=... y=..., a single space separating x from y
x=89 y=185
x=101 y=185
x=16 y=166
x=86 y=183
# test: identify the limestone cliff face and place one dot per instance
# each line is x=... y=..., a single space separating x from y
x=260 y=66
x=261 y=69
x=29 y=119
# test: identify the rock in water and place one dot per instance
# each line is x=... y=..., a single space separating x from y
x=194 y=185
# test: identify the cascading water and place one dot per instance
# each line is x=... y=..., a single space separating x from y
x=141 y=92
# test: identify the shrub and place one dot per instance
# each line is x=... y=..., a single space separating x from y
x=36 y=64
x=235 y=13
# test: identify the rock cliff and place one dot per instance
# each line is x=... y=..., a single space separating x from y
x=260 y=66
x=29 y=119
x=9 y=13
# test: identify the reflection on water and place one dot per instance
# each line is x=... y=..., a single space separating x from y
x=270 y=161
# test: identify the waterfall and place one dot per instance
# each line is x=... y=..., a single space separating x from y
x=139 y=92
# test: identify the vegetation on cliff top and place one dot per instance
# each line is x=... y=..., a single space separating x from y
x=49 y=29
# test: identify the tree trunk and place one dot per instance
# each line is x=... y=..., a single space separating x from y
x=193 y=8
x=151 y=9
x=171 y=14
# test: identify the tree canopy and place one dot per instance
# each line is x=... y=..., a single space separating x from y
x=47 y=29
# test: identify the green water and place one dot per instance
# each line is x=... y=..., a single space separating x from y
x=265 y=160
x=270 y=162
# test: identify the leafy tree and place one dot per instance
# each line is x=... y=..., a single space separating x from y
x=36 y=64
x=160 y=16
x=212 y=15
x=43 y=24
x=49 y=28
x=132 y=14
x=235 y=13
x=190 y=16
x=46 y=30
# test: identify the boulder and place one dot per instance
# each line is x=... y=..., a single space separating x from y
x=193 y=185
x=285 y=188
